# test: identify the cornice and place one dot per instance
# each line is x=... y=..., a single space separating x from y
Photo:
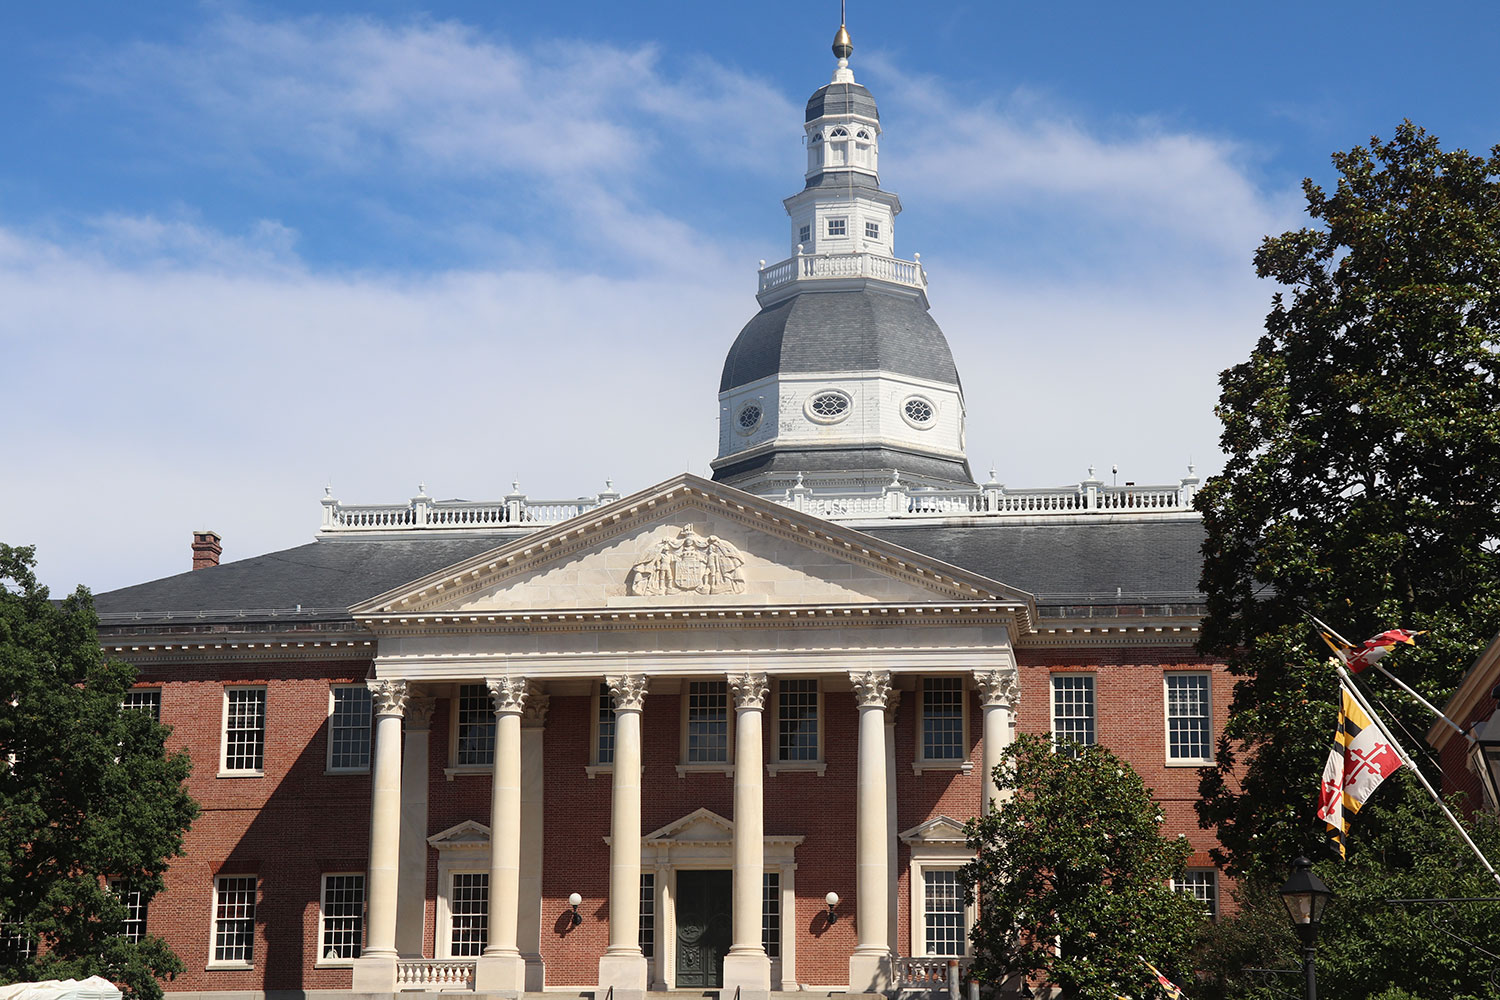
x=1056 y=635
x=235 y=651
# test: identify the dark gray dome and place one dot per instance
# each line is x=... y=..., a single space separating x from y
x=843 y=331
x=841 y=99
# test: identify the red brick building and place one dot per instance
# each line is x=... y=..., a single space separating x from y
x=705 y=709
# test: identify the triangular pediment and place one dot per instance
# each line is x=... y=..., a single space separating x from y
x=467 y=835
x=691 y=543
x=938 y=830
x=697 y=826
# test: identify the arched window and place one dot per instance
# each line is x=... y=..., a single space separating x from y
x=839 y=132
x=862 y=134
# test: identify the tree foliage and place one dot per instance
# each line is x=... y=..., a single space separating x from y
x=87 y=792
x=1073 y=876
x=1362 y=486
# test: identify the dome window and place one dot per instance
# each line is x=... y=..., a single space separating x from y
x=829 y=407
x=748 y=417
x=862 y=134
x=919 y=412
x=839 y=133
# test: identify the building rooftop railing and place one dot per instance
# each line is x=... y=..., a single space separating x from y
x=897 y=501
x=835 y=266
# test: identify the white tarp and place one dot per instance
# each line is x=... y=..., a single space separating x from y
x=92 y=988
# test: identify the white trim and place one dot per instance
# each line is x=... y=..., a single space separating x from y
x=774 y=764
x=1166 y=718
x=465 y=848
x=1052 y=701
x=816 y=394
x=936 y=845
x=321 y=961
x=595 y=766
x=265 y=719
x=454 y=767
x=1213 y=873
x=685 y=766
x=328 y=767
x=213 y=922
x=963 y=763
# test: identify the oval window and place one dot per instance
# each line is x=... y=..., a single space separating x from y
x=918 y=411
x=828 y=407
x=749 y=417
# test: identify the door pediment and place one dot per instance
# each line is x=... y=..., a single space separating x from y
x=690 y=543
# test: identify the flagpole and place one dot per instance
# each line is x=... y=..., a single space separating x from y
x=1364 y=705
x=1399 y=683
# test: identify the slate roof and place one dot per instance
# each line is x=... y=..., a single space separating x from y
x=1081 y=562
x=792 y=460
x=841 y=99
x=840 y=331
x=843 y=180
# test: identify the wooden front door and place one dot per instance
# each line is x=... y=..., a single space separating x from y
x=704 y=927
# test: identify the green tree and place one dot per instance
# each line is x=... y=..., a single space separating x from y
x=1363 y=486
x=87 y=792
x=1073 y=876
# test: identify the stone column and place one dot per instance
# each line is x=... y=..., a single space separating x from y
x=892 y=842
x=999 y=693
x=622 y=966
x=375 y=970
x=411 y=891
x=502 y=969
x=529 y=914
x=747 y=968
x=870 y=964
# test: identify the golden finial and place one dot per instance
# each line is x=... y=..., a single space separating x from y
x=843 y=48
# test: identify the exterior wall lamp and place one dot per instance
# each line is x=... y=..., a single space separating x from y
x=832 y=899
x=573 y=900
x=1484 y=757
x=1306 y=897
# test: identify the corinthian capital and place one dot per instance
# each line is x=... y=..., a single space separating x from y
x=750 y=690
x=419 y=714
x=628 y=691
x=535 y=716
x=508 y=693
x=998 y=688
x=389 y=696
x=872 y=688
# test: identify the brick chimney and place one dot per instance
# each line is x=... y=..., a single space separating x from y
x=206 y=549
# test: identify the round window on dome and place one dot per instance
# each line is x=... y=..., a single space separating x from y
x=829 y=407
x=919 y=412
x=748 y=418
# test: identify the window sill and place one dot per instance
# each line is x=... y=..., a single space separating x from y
x=918 y=766
x=228 y=966
x=452 y=772
x=345 y=770
x=241 y=774
x=802 y=766
x=1170 y=762
x=334 y=963
x=705 y=768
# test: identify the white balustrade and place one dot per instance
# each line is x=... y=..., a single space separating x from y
x=928 y=974
x=813 y=267
x=434 y=974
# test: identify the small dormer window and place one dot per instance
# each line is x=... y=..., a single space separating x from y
x=872 y=230
x=838 y=227
x=804 y=235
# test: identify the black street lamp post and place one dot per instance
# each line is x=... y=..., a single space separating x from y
x=1306 y=897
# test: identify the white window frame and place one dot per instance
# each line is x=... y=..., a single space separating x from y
x=213 y=923
x=454 y=767
x=323 y=961
x=726 y=766
x=871 y=224
x=937 y=845
x=225 y=772
x=148 y=691
x=445 y=909
x=1093 y=680
x=921 y=762
x=804 y=234
x=329 y=768
x=121 y=888
x=843 y=224
x=1212 y=904
x=596 y=766
x=1166 y=712
x=775 y=764
x=919 y=912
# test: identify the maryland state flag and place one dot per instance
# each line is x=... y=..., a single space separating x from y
x=1173 y=993
x=1361 y=758
x=1358 y=658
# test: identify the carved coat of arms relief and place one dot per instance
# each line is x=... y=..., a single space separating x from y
x=688 y=564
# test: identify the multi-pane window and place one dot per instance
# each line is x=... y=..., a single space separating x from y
x=16 y=943
x=797 y=720
x=770 y=914
x=1203 y=885
x=1072 y=712
x=872 y=230
x=234 y=918
x=476 y=726
x=708 y=722
x=838 y=227
x=943 y=912
x=943 y=718
x=143 y=700
x=804 y=235
x=343 y=916
x=349 y=729
x=1187 y=717
x=134 y=927
x=647 y=935
x=604 y=749
x=244 y=729
x=470 y=910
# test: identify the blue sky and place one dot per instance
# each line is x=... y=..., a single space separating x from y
x=247 y=250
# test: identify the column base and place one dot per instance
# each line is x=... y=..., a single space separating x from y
x=536 y=974
x=625 y=972
x=869 y=972
x=749 y=972
x=502 y=974
x=375 y=974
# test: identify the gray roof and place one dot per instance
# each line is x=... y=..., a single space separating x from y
x=840 y=331
x=1079 y=562
x=790 y=460
x=841 y=99
x=842 y=180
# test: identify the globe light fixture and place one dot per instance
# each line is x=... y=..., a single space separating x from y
x=832 y=899
x=574 y=900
